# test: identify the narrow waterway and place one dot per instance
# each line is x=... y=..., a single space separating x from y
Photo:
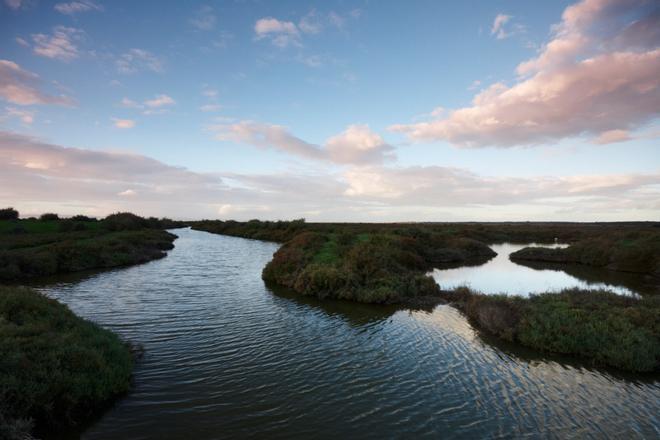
x=225 y=357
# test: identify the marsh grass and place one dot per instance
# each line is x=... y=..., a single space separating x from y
x=56 y=369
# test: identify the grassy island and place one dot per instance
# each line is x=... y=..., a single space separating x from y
x=389 y=263
x=56 y=369
x=31 y=248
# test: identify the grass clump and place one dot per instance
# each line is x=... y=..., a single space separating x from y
x=606 y=328
x=56 y=369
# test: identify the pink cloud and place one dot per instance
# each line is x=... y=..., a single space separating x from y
x=600 y=72
x=355 y=145
x=18 y=86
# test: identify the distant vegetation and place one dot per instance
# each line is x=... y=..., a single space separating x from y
x=636 y=251
x=55 y=369
x=387 y=263
x=51 y=245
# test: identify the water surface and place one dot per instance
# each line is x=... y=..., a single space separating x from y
x=228 y=358
x=501 y=275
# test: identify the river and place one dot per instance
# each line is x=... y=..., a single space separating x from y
x=225 y=357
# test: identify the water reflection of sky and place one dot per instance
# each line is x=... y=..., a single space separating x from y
x=501 y=275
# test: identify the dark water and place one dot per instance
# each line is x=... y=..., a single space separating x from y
x=227 y=358
x=501 y=275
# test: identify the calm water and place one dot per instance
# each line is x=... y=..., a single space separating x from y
x=227 y=358
x=501 y=275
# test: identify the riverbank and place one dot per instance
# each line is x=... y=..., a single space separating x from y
x=34 y=248
x=389 y=266
x=56 y=370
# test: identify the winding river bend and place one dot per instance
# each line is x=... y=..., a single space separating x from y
x=225 y=357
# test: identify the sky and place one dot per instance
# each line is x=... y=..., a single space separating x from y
x=365 y=110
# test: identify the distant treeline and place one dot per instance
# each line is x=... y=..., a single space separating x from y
x=488 y=232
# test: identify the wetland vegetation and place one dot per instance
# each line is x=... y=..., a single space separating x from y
x=389 y=264
x=56 y=369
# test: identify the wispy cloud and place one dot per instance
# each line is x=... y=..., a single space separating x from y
x=60 y=45
x=25 y=116
x=280 y=33
x=156 y=105
x=15 y=4
x=77 y=7
x=283 y=33
x=204 y=18
x=19 y=86
x=123 y=123
x=503 y=27
x=38 y=175
x=356 y=145
x=210 y=107
x=159 y=101
x=138 y=60
x=600 y=72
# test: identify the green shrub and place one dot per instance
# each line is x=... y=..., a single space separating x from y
x=49 y=216
x=8 y=214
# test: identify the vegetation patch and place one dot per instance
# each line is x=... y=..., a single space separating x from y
x=600 y=326
x=371 y=268
x=56 y=369
x=634 y=251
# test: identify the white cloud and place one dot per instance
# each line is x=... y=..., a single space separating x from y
x=498 y=25
x=123 y=123
x=76 y=7
x=127 y=193
x=19 y=86
x=159 y=101
x=60 y=45
x=137 y=60
x=280 y=33
x=600 y=72
x=286 y=33
x=158 y=104
x=356 y=145
x=204 y=19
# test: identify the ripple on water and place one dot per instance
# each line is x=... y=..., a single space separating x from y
x=227 y=358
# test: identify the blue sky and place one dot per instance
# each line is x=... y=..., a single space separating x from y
x=251 y=94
